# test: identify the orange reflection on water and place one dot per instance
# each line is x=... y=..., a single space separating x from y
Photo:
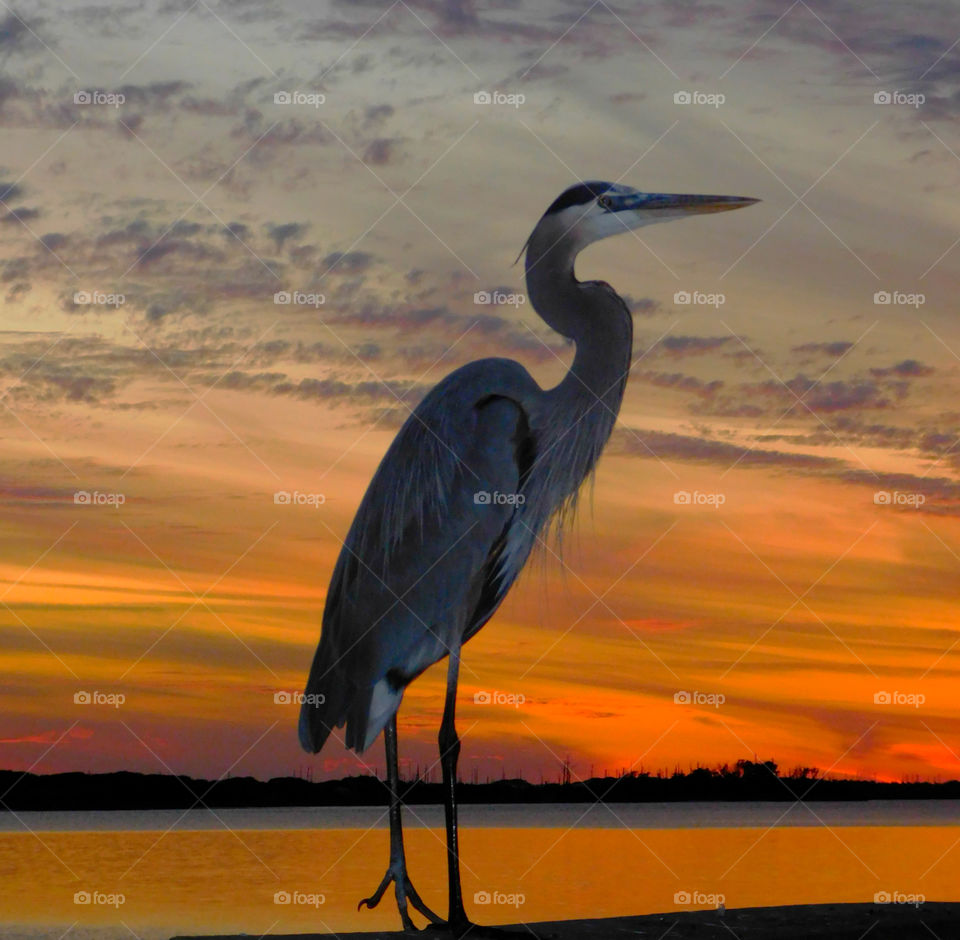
x=207 y=881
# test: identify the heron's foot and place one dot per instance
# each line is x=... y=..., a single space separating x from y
x=405 y=894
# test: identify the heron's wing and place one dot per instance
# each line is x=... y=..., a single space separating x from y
x=422 y=561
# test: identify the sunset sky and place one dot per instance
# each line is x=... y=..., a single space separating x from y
x=147 y=166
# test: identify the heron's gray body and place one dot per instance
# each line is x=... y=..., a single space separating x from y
x=426 y=555
x=418 y=556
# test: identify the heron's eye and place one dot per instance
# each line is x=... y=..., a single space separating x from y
x=604 y=202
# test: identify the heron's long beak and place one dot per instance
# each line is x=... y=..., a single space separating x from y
x=683 y=202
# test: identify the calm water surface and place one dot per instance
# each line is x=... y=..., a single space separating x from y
x=287 y=870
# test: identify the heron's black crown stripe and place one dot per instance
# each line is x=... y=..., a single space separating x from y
x=578 y=195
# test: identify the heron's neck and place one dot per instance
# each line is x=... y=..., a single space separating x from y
x=581 y=411
x=590 y=314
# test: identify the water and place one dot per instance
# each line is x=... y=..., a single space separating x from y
x=511 y=815
x=162 y=872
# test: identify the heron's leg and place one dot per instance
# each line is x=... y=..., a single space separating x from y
x=449 y=754
x=458 y=924
x=397 y=872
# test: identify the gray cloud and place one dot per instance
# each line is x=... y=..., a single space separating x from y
x=833 y=349
x=20 y=214
x=380 y=151
x=942 y=494
x=668 y=446
x=641 y=306
x=282 y=233
x=18 y=33
x=804 y=395
x=10 y=191
x=350 y=262
x=906 y=368
x=377 y=113
x=156 y=94
x=678 y=346
x=681 y=382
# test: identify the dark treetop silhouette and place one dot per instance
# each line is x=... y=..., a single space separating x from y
x=479 y=471
x=744 y=781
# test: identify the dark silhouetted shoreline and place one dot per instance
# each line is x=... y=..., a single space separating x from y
x=745 y=781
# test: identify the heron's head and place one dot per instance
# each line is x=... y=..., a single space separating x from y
x=589 y=211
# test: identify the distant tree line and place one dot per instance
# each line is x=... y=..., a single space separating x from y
x=744 y=780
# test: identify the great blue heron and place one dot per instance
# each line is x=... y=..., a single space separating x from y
x=475 y=476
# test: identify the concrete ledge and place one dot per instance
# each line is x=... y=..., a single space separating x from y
x=806 y=922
